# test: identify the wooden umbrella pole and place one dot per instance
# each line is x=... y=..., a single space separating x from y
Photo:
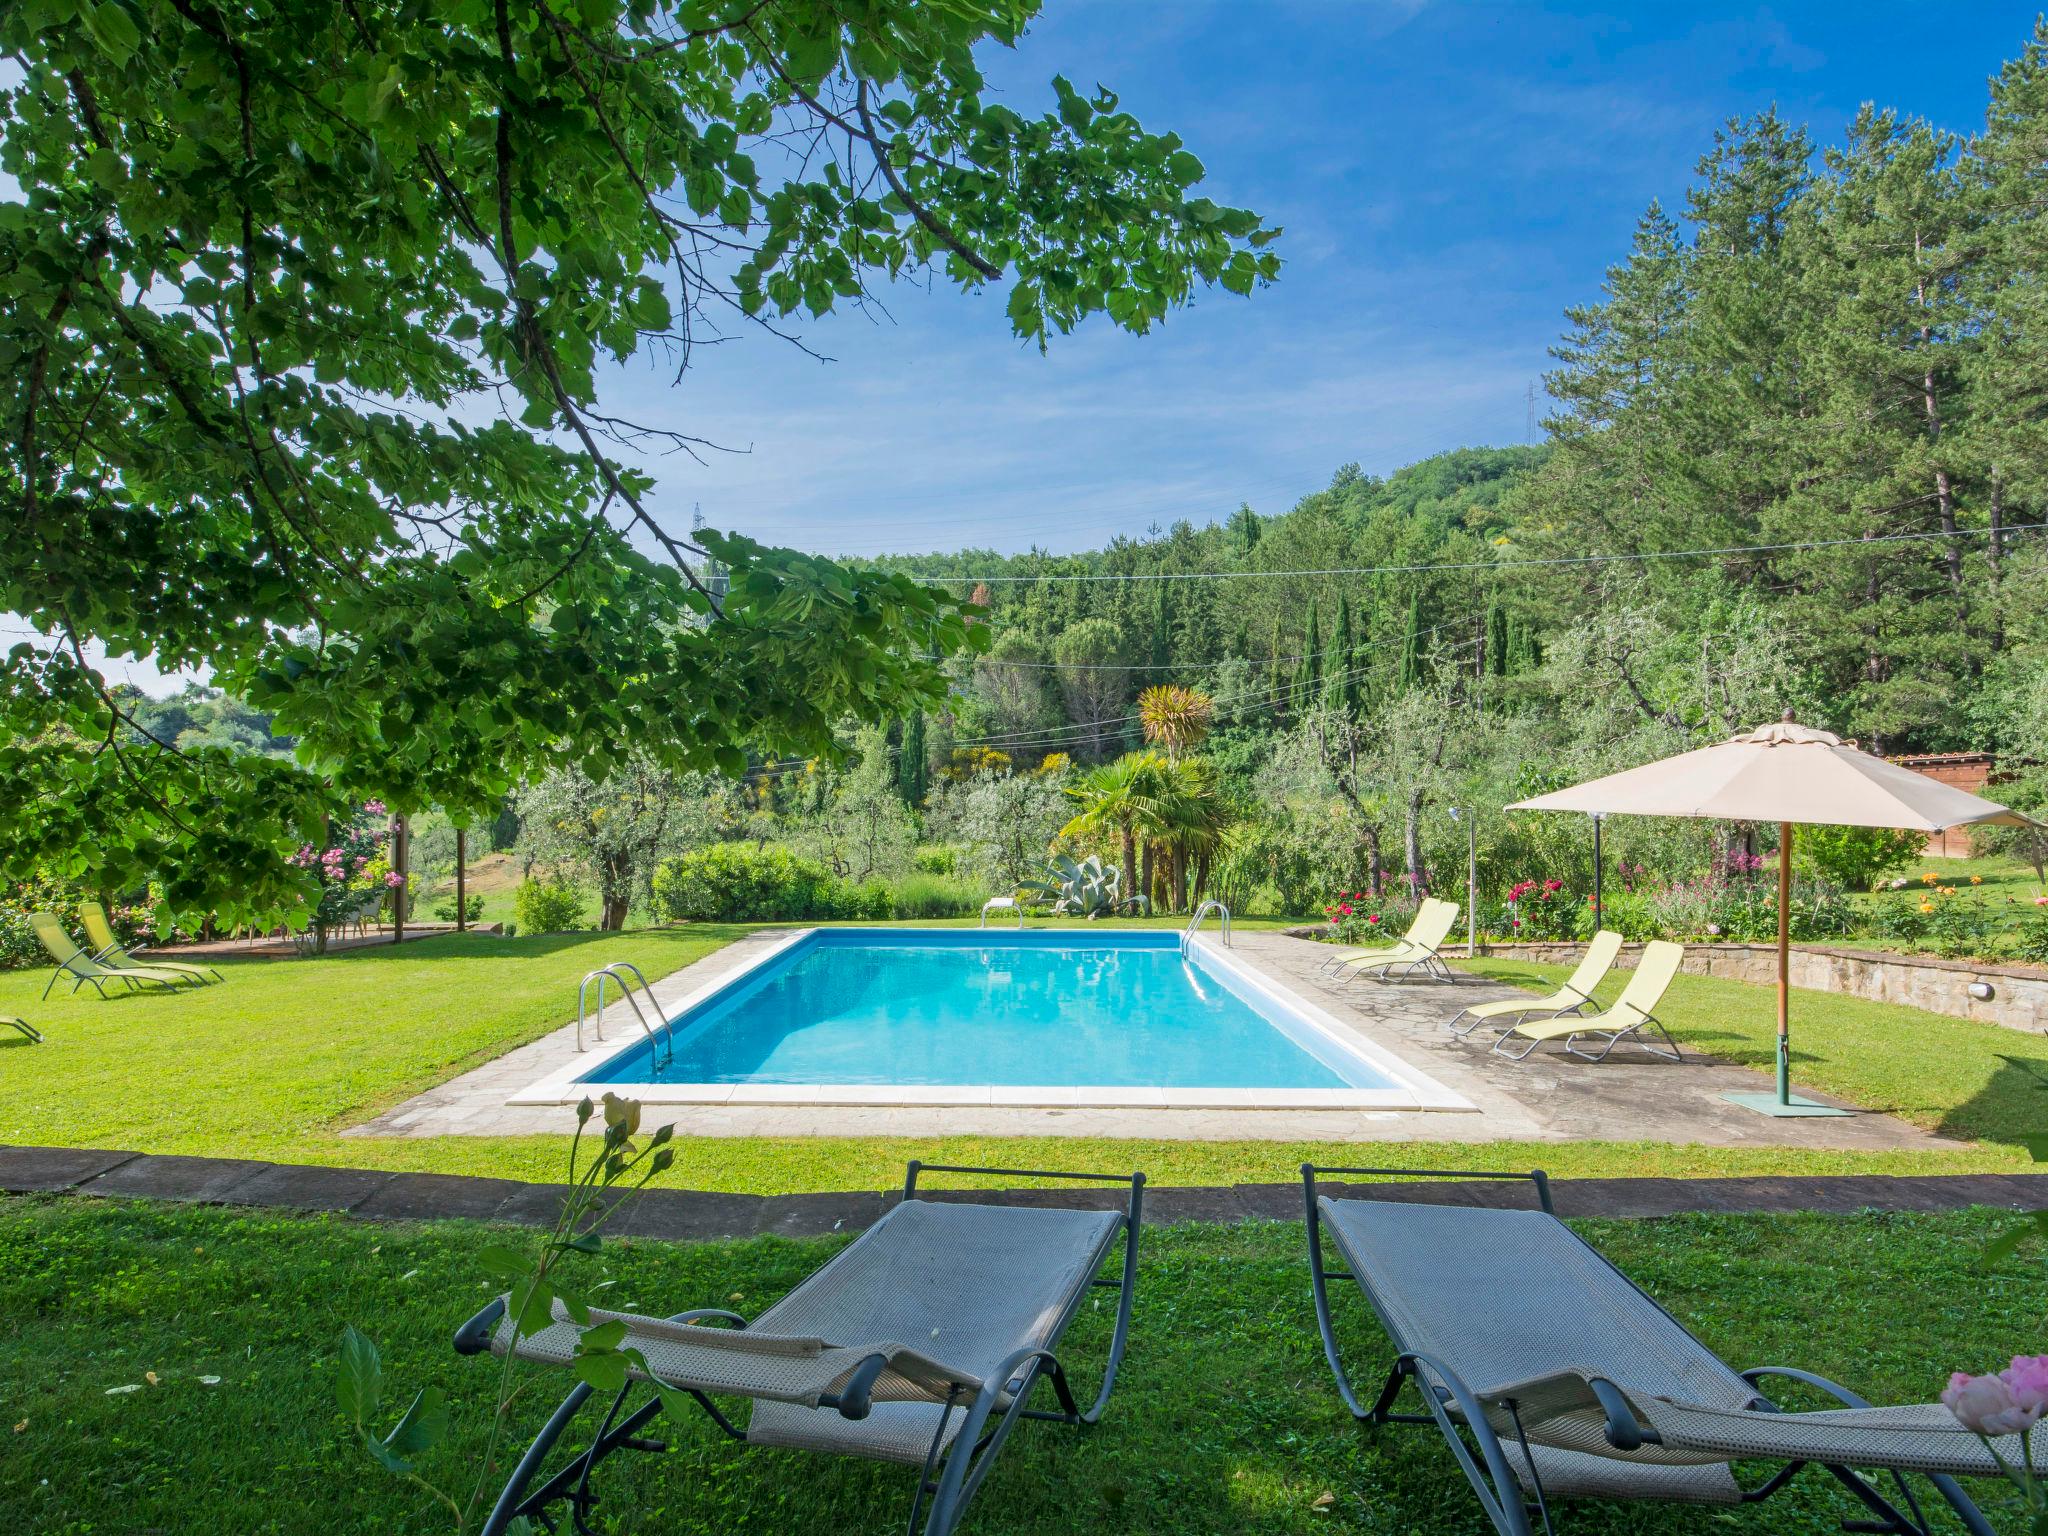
x=461 y=883
x=1784 y=962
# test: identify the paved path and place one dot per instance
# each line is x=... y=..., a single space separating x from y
x=1548 y=1097
x=692 y=1216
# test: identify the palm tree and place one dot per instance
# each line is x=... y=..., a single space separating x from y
x=1120 y=798
x=1193 y=818
x=1175 y=717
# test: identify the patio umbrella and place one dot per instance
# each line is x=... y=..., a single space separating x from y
x=1789 y=774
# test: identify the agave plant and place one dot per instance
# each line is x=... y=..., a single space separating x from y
x=1086 y=889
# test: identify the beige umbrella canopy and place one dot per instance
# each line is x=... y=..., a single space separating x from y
x=1785 y=773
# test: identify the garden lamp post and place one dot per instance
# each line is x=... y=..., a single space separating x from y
x=1789 y=774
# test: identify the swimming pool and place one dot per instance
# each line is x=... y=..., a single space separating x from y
x=956 y=1016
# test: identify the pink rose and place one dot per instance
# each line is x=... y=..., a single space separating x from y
x=2027 y=1379
x=1984 y=1405
x=1374 y=918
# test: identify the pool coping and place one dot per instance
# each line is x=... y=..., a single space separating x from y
x=1419 y=1092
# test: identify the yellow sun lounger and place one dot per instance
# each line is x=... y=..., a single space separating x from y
x=109 y=950
x=82 y=968
x=1343 y=957
x=1415 y=952
x=1632 y=1016
x=1574 y=995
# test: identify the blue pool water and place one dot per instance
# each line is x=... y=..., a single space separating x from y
x=1035 y=1009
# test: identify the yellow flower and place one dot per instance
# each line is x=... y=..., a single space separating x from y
x=1947 y=890
x=1926 y=906
x=1929 y=878
x=1976 y=879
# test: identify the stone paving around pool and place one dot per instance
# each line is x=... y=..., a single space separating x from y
x=1548 y=1097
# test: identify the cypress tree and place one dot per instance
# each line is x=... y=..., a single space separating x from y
x=1162 y=635
x=912 y=778
x=1496 y=640
x=1341 y=691
x=1277 y=691
x=1308 y=679
x=1411 y=645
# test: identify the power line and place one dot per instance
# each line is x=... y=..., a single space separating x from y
x=1505 y=563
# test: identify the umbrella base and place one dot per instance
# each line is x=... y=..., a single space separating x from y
x=1798 y=1109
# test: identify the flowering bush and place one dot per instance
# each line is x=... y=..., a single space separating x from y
x=1543 y=909
x=342 y=868
x=1359 y=917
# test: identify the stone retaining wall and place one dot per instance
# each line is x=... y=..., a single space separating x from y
x=2019 y=994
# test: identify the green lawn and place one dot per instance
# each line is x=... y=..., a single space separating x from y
x=1225 y=1420
x=283 y=1056
x=1949 y=1075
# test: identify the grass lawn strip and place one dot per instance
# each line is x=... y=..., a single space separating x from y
x=1225 y=1420
x=275 y=1062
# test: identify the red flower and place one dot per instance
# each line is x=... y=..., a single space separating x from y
x=1345 y=908
x=1374 y=918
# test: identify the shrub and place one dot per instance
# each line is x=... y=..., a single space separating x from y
x=936 y=859
x=1854 y=857
x=473 y=909
x=2032 y=942
x=929 y=895
x=550 y=905
x=739 y=883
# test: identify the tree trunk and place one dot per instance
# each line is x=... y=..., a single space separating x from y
x=1375 y=861
x=1130 y=863
x=1944 y=492
x=1994 y=550
x=614 y=915
x=461 y=880
x=1411 y=847
x=1201 y=876
x=1145 y=874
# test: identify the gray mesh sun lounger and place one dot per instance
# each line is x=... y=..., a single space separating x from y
x=1552 y=1375
x=919 y=1343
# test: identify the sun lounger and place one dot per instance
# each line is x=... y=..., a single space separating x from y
x=1633 y=1016
x=920 y=1344
x=107 y=948
x=82 y=968
x=1331 y=963
x=34 y=1035
x=1415 y=953
x=1573 y=996
x=1553 y=1376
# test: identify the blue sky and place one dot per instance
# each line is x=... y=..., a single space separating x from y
x=1450 y=176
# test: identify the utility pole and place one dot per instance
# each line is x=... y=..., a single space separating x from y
x=1529 y=428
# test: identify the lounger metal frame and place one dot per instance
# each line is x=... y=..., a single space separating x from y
x=1630 y=1032
x=949 y=1478
x=1456 y=1410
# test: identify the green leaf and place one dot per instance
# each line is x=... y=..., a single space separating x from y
x=359 y=1380
x=1184 y=168
x=504 y=1263
x=604 y=1336
x=605 y=1373
x=424 y=1424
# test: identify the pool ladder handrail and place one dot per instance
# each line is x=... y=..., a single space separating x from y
x=616 y=972
x=1187 y=938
